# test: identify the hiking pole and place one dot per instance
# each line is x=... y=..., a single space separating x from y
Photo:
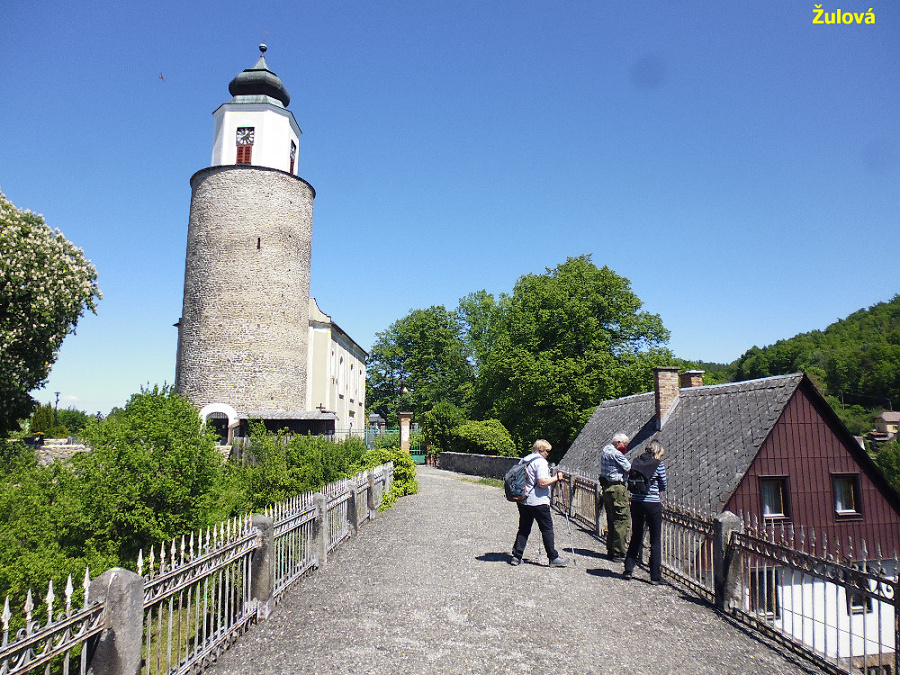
x=568 y=525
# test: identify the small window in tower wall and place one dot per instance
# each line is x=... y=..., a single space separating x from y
x=293 y=155
x=244 y=153
x=244 y=141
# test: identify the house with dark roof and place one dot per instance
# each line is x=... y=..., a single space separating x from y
x=773 y=452
x=771 y=448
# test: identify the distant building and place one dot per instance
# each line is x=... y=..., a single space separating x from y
x=886 y=426
x=252 y=344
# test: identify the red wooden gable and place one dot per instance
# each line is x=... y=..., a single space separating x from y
x=808 y=447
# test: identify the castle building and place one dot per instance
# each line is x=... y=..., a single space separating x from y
x=249 y=346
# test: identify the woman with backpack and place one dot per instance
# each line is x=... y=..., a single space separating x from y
x=646 y=480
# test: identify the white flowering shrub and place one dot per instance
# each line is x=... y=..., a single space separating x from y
x=46 y=284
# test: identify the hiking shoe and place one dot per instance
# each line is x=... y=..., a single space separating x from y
x=559 y=562
x=657 y=582
x=627 y=575
x=515 y=561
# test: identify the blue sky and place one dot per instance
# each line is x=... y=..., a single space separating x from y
x=738 y=163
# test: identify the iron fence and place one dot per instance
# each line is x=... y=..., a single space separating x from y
x=197 y=591
x=838 y=607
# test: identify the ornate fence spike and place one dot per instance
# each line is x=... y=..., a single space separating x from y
x=140 y=562
x=191 y=549
x=791 y=535
x=162 y=558
x=49 y=599
x=5 y=617
x=863 y=550
x=812 y=540
x=29 y=608
x=70 y=591
x=86 y=584
x=849 y=550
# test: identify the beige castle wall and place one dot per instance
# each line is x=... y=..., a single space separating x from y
x=244 y=330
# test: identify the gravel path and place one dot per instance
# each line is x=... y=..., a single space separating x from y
x=426 y=588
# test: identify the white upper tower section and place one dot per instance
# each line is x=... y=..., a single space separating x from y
x=256 y=128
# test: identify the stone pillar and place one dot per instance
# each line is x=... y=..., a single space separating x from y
x=352 y=510
x=118 y=649
x=262 y=567
x=405 y=418
x=320 y=529
x=726 y=565
x=371 y=499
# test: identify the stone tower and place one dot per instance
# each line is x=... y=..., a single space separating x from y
x=243 y=334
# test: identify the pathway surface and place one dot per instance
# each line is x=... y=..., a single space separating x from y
x=426 y=588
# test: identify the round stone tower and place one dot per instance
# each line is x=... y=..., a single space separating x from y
x=243 y=333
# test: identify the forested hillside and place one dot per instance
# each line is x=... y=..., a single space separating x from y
x=856 y=360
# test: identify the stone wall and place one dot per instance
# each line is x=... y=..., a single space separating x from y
x=486 y=466
x=243 y=335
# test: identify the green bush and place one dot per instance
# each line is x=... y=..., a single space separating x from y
x=487 y=437
x=405 y=482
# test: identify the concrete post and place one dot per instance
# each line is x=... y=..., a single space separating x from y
x=118 y=649
x=371 y=500
x=353 y=511
x=320 y=530
x=405 y=419
x=726 y=565
x=262 y=567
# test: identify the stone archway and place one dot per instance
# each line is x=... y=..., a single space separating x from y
x=218 y=410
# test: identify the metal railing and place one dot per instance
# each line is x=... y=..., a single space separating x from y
x=837 y=607
x=200 y=593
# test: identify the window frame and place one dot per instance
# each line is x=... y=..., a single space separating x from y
x=782 y=483
x=851 y=479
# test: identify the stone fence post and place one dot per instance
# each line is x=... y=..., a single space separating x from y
x=726 y=564
x=371 y=500
x=320 y=529
x=262 y=566
x=353 y=510
x=117 y=650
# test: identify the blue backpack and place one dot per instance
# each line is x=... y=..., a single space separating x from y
x=515 y=482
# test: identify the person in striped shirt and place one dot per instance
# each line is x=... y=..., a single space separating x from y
x=646 y=511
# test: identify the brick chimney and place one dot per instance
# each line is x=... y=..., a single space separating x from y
x=666 y=392
x=692 y=378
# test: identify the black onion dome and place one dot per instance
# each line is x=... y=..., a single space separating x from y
x=259 y=81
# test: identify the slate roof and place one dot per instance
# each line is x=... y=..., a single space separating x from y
x=711 y=436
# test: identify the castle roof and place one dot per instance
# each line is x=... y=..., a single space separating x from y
x=258 y=81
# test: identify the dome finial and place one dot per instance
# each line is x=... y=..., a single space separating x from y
x=263 y=48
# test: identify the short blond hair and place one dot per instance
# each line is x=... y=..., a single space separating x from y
x=540 y=445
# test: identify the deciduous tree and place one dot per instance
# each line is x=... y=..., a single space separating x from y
x=565 y=341
x=424 y=354
x=46 y=284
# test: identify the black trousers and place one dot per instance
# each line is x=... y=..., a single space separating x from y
x=647 y=514
x=527 y=516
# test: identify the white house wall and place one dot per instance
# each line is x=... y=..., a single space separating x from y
x=814 y=612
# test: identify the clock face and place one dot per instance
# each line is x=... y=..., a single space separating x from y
x=245 y=136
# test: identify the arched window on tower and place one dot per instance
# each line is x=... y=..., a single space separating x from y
x=293 y=155
x=244 y=141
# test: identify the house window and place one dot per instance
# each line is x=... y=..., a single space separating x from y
x=773 y=492
x=846 y=494
x=763 y=589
